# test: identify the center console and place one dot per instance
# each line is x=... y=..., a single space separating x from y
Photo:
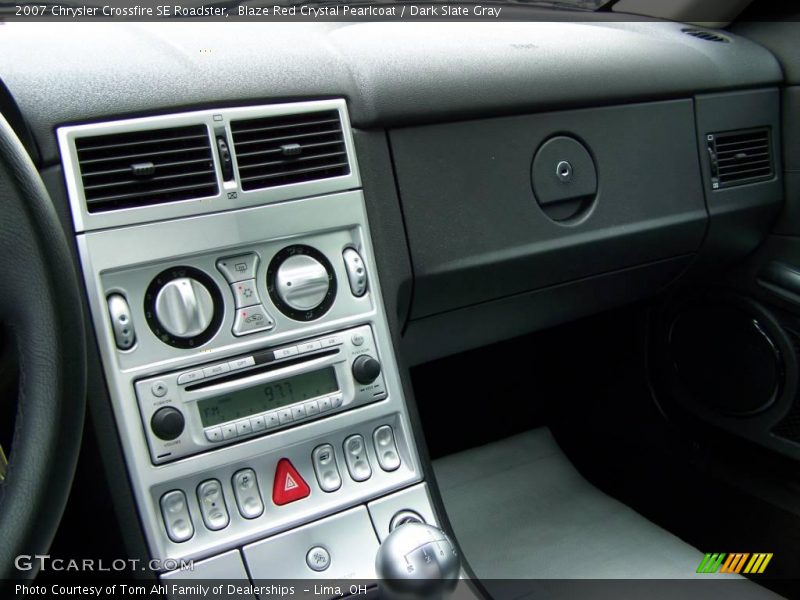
x=233 y=289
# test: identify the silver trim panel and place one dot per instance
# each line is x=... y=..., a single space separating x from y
x=230 y=197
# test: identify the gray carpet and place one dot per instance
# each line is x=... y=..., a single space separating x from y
x=520 y=510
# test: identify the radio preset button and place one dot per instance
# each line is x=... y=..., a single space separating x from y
x=258 y=423
x=216 y=370
x=245 y=293
x=238 y=268
x=177 y=520
x=251 y=320
x=355 y=455
x=330 y=342
x=285 y=416
x=312 y=408
x=336 y=401
x=243 y=427
x=324 y=404
x=298 y=412
x=325 y=468
x=286 y=352
x=309 y=346
x=212 y=505
x=248 y=497
x=272 y=420
x=190 y=376
x=385 y=448
x=242 y=363
x=214 y=434
x=229 y=431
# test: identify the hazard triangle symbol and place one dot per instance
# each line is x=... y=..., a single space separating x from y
x=289 y=486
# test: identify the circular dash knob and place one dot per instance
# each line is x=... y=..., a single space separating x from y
x=366 y=369
x=167 y=423
x=184 y=307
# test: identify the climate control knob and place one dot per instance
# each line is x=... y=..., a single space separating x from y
x=366 y=369
x=167 y=423
x=184 y=307
x=301 y=282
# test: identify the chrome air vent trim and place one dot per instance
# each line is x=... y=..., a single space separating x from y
x=229 y=194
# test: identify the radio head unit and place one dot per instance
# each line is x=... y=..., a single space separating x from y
x=194 y=410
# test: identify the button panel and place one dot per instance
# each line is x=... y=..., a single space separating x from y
x=177 y=520
x=326 y=469
x=248 y=496
x=212 y=505
x=355 y=456
x=294 y=481
x=385 y=448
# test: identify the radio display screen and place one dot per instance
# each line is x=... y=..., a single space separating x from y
x=266 y=397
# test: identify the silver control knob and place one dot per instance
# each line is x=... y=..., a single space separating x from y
x=302 y=282
x=184 y=307
x=417 y=560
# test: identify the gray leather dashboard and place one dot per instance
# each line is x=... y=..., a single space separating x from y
x=390 y=73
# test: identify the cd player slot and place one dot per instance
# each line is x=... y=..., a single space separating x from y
x=264 y=368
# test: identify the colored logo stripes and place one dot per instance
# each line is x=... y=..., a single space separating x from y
x=736 y=562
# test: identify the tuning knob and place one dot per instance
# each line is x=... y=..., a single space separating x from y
x=183 y=307
x=301 y=282
x=366 y=369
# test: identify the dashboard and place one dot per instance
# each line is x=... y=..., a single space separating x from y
x=270 y=231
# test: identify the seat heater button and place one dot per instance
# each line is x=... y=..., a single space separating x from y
x=177 y=520
x=212 y=505
x=355 y=456
x=248 y=496
x=325 y=468
x=385 y=448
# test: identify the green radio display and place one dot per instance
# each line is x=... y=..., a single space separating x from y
x=266 y=397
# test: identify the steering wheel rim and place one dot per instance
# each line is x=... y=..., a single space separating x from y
x=40 y=306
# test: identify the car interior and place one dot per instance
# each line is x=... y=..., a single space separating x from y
x=493 y=309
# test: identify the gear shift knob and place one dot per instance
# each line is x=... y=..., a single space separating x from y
x=417 y=560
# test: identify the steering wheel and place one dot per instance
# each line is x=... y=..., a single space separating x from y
x=41 y=310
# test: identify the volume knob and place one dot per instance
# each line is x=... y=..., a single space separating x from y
x=184 y=307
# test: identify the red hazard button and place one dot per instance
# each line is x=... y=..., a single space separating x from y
x=288 y=486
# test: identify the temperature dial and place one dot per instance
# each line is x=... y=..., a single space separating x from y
x=301 y=282
x=183 y=307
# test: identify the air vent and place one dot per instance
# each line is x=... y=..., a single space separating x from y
x=739 y=157
x=709 y=36
x=288 y=149
x=141 y=168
